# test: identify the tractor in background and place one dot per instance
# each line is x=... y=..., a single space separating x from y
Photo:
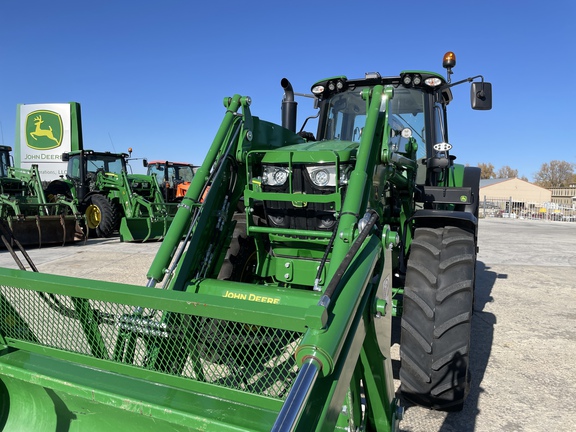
x=33 y=218
x=111 y=199
x=173 y=178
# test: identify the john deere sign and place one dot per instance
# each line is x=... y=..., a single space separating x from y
x=45 y=132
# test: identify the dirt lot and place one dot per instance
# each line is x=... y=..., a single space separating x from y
x=524 y=327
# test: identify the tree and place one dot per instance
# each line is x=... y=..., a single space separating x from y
x=554 y=174
x=486 y=170
x=507 y=172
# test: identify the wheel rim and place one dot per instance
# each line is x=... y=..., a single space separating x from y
x=93 y=216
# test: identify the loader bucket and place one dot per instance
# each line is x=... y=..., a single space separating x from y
x=99 y=356
x=78 y=354
x=141 y=229
x=45 y=230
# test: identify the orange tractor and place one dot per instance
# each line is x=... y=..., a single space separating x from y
x=173 y=178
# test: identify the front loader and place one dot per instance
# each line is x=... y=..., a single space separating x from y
x=269 y=305
x=31 y=217
x=112 y=199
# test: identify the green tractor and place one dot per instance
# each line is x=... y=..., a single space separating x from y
x=34 y=219
x=112 y=199
x=276 y=310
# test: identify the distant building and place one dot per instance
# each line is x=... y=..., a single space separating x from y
x=514 y=189
x=564 y=197
x=521 y=199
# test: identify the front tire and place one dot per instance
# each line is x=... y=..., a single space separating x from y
x=436 y=320
x=240 y=258
x=101 y=216
x=57 y=187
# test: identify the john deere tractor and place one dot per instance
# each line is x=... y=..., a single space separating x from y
x=111 y=198
x=33 y=218
x=276 y=309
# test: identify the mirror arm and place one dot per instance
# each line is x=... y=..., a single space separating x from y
x=465 y=80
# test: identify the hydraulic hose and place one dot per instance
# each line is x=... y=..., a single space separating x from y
x=331 y=288
x=323 y=261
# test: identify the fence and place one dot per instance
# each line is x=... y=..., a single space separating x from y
x=509 y=208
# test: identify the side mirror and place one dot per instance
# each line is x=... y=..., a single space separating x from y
x=481 y=95
x=145 y=162
x=65 y=157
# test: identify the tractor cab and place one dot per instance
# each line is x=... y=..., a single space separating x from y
x=173 y=178
x=411 y=115
x=4 y=160
x=84 y=166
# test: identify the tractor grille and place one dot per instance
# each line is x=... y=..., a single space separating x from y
x=240 y=356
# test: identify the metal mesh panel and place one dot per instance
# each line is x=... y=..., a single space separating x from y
x=250 y=358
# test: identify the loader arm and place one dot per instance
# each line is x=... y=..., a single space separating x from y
x=330 y=348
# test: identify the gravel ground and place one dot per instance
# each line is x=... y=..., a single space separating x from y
x=523 y=331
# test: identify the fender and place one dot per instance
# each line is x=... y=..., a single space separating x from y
x=438 y=218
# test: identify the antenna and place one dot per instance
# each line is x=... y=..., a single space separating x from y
x=111 y=142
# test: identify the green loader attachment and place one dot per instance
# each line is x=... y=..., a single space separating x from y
x=144 y=215
x=34 y=219
x=270 y=303
x=112 y=199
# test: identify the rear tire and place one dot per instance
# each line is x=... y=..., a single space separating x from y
x=436 y=320
x=101 y=216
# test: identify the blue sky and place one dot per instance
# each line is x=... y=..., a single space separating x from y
x=152 y=75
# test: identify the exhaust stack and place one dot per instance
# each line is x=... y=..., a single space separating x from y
x=288 y=106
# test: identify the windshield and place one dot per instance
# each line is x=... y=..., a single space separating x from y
x=4 y=164
x=178 y=173
x=407 y=111
x=158 y=170
x=346 y=117
x=109 y=164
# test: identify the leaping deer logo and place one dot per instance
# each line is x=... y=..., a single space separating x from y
x=42 y=132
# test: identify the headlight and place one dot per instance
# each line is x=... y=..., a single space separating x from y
x=433 y=81
x=322 y=176
x=274 y=175
x=141 y=185
x=325 y=175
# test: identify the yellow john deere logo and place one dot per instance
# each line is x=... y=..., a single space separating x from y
x=43 y=130
x=299 y=204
